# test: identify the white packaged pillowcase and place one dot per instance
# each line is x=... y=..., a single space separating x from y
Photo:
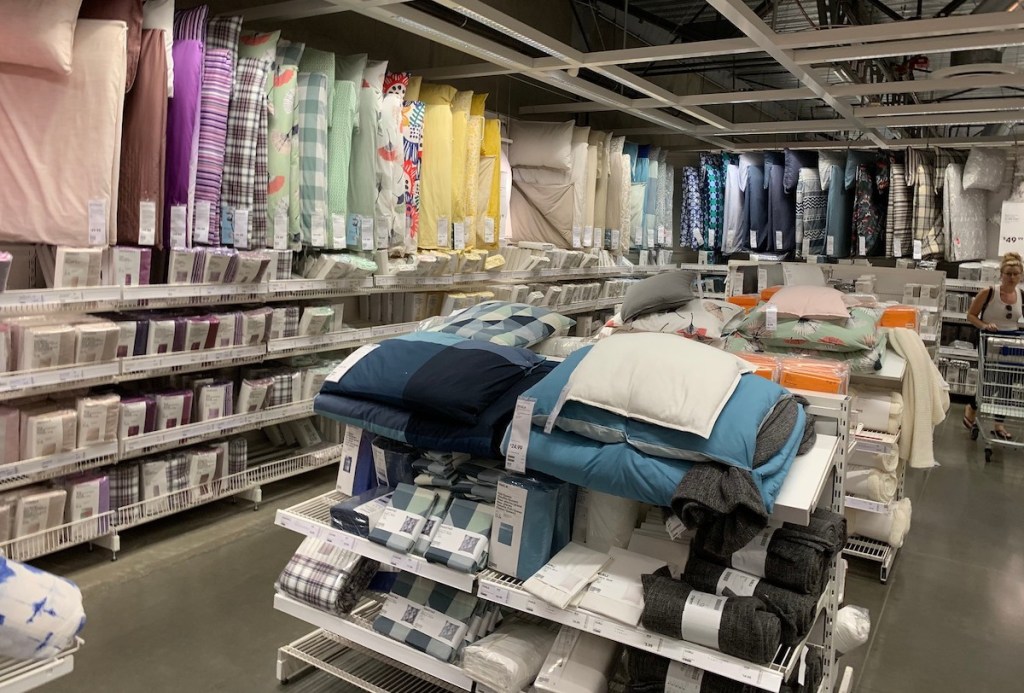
x=510 y=658
x=96 y=342
x=617 y=592
x=160 y=339
x=45 y=431
x=227 y=325
x=578 y=663
x=38 y=512
x=566 y=575
x=97 y=419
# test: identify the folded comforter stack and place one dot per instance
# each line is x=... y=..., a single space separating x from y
x=670 y=422
x=432 y=390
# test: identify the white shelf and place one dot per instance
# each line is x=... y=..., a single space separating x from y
x=588 y=306
x=95 y=455
x=705 y=269
x=28 y=301
x=805 y=482
x=313 y=519
x=24 y=383
x=971 y=285
x=179 y=436
x=356 y=627
x=893 y=368
x=965 y=354
x=953 y=316
x=18 y=676
x=280 y=289
x=139 y=367
x=505 y=590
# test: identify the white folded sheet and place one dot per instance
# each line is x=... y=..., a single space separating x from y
x=510 y=658
x=617 y=591
x=891 y=527
x=578 y=663
x=566 y=575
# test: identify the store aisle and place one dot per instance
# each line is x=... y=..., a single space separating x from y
x=188 y=604
x=951 y=618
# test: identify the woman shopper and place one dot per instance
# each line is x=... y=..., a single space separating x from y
x=997 y=309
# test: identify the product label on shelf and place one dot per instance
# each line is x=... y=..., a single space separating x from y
x=318 y=230
x=349 y=460
x=588 y=237
x=753 y=239
x=240 y=233
x=862 y=245
x=519 y=435
x=577 y=237
x=460 y=235
x=736 y=583
x=460 y=541
x=778 y=240
x=897 y=247
x=918 y=250
x=98 y=221
x=444 y=232
x=771 y=318
x=401 y=522
x=488 y=230
x=431 y=623
x=281 y=230
x=147 y=222
x=702 y=618
x=683 y=678
x=201 y=230
x=178 y=227
x=380 y=465
x=366 y=234
x=751 y=558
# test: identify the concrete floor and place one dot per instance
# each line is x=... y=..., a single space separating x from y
x=188 y=604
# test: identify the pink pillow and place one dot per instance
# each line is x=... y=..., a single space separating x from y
x=38 y=33
x=129 y=12
x=810 y=303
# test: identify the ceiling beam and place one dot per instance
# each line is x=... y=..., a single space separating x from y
x=302 y=9
x=960 y=106
x=733 y=97
x=751 y=25
x=888 y=49
x=911 y=142
x=918 y=86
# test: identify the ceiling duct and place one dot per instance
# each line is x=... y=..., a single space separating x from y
x=981 y=61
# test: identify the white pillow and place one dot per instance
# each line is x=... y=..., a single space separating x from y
x=548 y=145
x=658 y=378
x=802 y=274
x=984 y=169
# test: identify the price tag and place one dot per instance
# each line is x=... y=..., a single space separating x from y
x=147 y=222
x=339 y=231
x=366 y=233
x=519 y=435
x=317 y=229
x=662 y=235
x=352 y=234
x=830 y=246
x=762 y=278
x=918 y=251
x=488 y=230
x=179 y=239
x=675 y=527
x=807 y=247
x=402 y=562
x=240 y=231
x=711 y=238
x=862 y=245
x=650 y=238
x=778 y=240
x=753 y=239
x=281 y=230
x=460 y=235
x=588 y=236
x=897 y=247
x=1011 y=228
x=702 y=257
x=493 y=593
x=343 y=540
x=443 y=233
x=577 y=237
x=98 y=222
x=638 y=236
x=771 y=318
x=616 y=239
x=201 y=230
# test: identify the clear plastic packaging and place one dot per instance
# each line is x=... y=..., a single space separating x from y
x=853 y=627
x=816 y=375
x=768 y=367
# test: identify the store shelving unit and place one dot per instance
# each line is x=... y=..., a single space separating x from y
x=20 y=676
x=815 y=479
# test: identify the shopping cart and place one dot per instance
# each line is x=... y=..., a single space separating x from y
x=1001 y=390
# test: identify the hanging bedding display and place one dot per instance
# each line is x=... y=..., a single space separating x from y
x=461 y=104
x=544 y=199
x=925 y=215
x=839 y=210
x=781 y=205
x=490 y=181
x=732 y=220
x=811 y=207
x=712 y=193
x=413 y=113
x=965 y=214
x=691 y=219
x=263 y=47
x=43 y=142
x=215 y=100
x=312 y=129
x=436 y=167
x=143 y=142
x=898 y=235
x=578 y=173
x=366 y=170
x=390 y=207
x=289 y=53
x=867 y=174
x=603 y=143
x=754 y=219
x=248 y=103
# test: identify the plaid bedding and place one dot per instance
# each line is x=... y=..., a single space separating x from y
x=326 y=577
x=510 y=324
x=408 y=504
x=410 y=590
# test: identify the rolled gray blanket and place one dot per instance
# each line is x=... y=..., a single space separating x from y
x=738 y=626
x=791 y=556
x=775 y=430
x=796 y=612
x=648 y=672
x=722 y=500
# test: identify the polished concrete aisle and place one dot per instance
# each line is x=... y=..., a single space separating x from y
x=188 y=604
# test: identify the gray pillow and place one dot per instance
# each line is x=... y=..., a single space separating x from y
x=658 y=293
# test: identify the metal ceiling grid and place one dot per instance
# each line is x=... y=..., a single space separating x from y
x=811 y=67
